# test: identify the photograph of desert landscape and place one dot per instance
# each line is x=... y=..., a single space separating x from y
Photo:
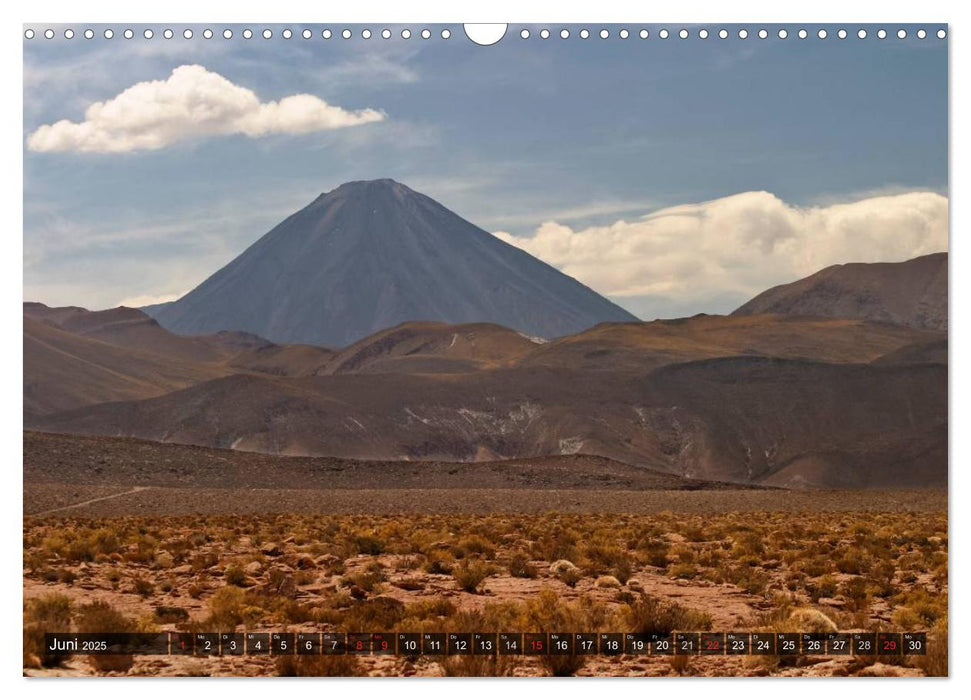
x=360 y=352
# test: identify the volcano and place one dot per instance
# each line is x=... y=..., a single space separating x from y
x=370 y=255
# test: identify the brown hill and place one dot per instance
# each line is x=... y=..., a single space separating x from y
x=74 y=357
x=736 y=419
x=429 y=346
x=751 y=399
x=643 y=346
x=63 y=371
x=911 y=293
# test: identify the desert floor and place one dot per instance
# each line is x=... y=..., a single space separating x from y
x=128 y=535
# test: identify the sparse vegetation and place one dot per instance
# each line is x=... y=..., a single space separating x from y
x=585 y=572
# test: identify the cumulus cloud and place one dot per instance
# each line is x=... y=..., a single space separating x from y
x=191 y=103
x=737 y=246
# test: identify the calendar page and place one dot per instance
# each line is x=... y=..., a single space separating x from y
x=435 y=350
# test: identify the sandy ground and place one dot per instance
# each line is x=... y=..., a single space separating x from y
x=44 y=497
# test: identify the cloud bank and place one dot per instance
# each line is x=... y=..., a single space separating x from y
x=191 y=103
x=737 y=246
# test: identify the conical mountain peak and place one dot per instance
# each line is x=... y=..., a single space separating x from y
x=371 y=254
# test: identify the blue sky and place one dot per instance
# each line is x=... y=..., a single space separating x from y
x=560 y=146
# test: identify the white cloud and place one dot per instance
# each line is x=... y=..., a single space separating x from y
x=738 y=246
x=191 y=103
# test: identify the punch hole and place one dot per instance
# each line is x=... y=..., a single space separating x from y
x=485 y=34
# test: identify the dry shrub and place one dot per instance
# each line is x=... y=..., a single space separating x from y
x=367 y=544
x=470 y=573
x=651 y=615
x=547 y=613
x=439 y=562
x=520 y=567
x=229 y=607
x=934 y=663
x=379 y=614
x=810 y=620
x=48 y=613
x=100 y=616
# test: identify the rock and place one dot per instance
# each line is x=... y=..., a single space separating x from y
x=184 y=569
x=305 y=561
x=254 y=568
x=271 y=549
x=607 y=582
x=327 y=560
x=882 y=670
x=283 y=586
